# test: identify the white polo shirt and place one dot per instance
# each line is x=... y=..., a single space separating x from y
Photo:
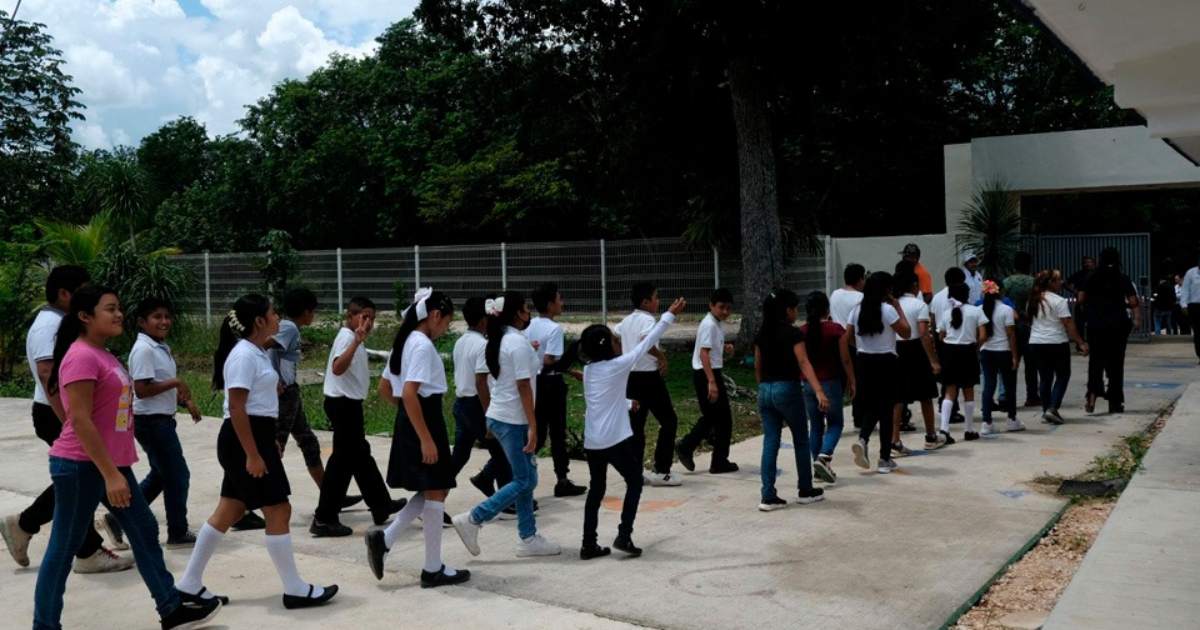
x=248 y=367
x=841 y=302
x=883 y=342
x=419 y=363
x=940 y=301
x=356 y=380
x=606 y=416
x=915 y=311
x=1047 y=327
x=549 y=336
x=39 y=346
x=151 y=360
x=968 y=333
x=632 y=330
x=709 y=335
x=1003 y=316
x=469 y=360
x=518 y=362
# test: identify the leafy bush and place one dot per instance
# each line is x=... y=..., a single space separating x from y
x=19 y=294
x=136 y=277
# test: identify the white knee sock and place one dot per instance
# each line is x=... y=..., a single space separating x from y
x=969 y=414
x=280 y=548
x=431 y=525
x=192 y=580
x=403 y=518
x=947 y=410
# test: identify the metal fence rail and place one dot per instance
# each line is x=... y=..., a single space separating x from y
x=594 y=276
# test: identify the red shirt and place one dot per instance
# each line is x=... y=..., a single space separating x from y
x=826 y=359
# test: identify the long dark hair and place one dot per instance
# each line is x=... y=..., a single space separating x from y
x=595 y=344
x=237 y=325
x=437 y=301
x=961 y=293
x=514 y=301
x=989 y=307
x=815 y=310
x=1041 y=284
x=84 y=299
x=774 y=309
x=870 y=312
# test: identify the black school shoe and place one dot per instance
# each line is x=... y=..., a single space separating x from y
x=720 y=468
x=250 y=521
x=434 y=579
x=376 y=550
x=308 y=601
x=564 y=488
x=328 y=529
x=380 y=517
x=625 y=544
x=486 y=486
x=200 y=598
x=589 y=551
x=685 y=455
x=971 y=436
x=949 y=438
x=191 y=614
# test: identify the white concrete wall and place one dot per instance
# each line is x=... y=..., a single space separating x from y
x=881 y=253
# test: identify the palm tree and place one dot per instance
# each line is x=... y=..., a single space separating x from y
x=122 y=190
x=991 y=227
x=70 y=244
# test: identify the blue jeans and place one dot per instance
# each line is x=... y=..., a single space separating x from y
x=1164 y=320
x=513 y=438
x=169 y=473
x=826 y=426
x=78 y=490
x=997 y=369
x=780 y=403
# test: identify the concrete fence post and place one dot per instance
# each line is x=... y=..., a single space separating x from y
x=416 y=267
x=207 y=292
x=341 y=298
x=603 y=282
x=503 y=267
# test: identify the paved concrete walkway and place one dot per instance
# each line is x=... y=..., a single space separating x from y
x=897 y=551
x=1144 y=570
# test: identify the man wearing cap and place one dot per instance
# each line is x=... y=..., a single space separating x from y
x=974 y=278
x=912 y=253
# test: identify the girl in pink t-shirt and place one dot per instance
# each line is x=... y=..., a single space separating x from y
x=90 y=462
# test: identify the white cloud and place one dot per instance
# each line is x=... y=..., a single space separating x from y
x=141 y=62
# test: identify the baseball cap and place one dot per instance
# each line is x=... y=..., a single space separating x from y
x=911 y=250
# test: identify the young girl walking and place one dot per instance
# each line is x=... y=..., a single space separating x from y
x=873 y=326
x=999 y=358
x=415 y=380
x=1051 y=330
x=249 y=455
x=90 y=463
x=821 y=337
x=607 y=432
x=964 y=331
x=512 y=368
x=780 y=361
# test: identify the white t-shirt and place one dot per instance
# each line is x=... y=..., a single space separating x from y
x=841 y=302
x=419 y=363
x=883 y=342
x=606 y=418
x=915 y=311
x=1047 y=327
x=151 y=360
x=709 y=335
x=518 y=362
x=937 y=305
x=632 y=330
x=248 y=367
x=968 y=333
x=39 y=346
x=975 y=283
x=469 y=360
x=1003 y=316
x=356 y=380
x=549 y=336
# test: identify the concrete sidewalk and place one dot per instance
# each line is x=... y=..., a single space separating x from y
x=1144 y=569
x=897 y=551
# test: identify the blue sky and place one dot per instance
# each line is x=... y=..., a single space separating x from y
x=141 y=63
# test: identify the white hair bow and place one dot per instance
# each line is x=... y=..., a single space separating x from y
x=418 y=302
x=494 y=306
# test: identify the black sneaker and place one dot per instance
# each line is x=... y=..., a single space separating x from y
x=812 y=495
x=685 y=457
x=447 y=520
x=200 y=598
x=433 y=579
x=625 y=544
x=957 y=418
x=376 y=550
x=379 y=517
x=308 y=601
x=116 y=535
x=908 y=427
x=188 y=539
x=565 y=488
x=1116 y=409
x=191 y=614
x=720 y=468
x=351 y=501
x=587 y=552
x=487 y=487
x=949 y=438
x=971 y=436
x=328 y=529
x=772 y=504
x=250 y=521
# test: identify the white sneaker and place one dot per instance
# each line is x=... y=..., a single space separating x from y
x=664 y=479
x=986 y=429
x=468 y=532
x=103 y=561
x=886 y=466
x=860 y=454
x=1015 y=425
x=536 y=545
x=16 y=539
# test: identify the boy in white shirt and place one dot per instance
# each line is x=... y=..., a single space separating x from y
x=347 y=379
x=647 y=386
x=546 y=335
x=708 y=358
x=471 y=399
x=841 y=302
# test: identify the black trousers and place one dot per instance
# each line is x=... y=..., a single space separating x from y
x=650 y=391
x=1107 y=357
x=351 y=457
x=41 y=512
x=876 y=382
x=470 y=426
x=626 y=458
x=1032 y=389
x=550 y=410
x=1193 y=316
x=716 y=420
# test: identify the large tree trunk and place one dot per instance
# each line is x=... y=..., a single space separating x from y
x=762 y=240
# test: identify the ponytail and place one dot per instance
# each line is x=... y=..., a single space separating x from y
x=1041 y=284
x=514 y=303
x=870 y=312
x=436 y=301
x=815 y=310
x=959 y=293
x=774 y=310
x=237 y=325
x=85 y=299
x=989 y=307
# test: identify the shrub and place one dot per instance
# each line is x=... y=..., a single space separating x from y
x=136 y=277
